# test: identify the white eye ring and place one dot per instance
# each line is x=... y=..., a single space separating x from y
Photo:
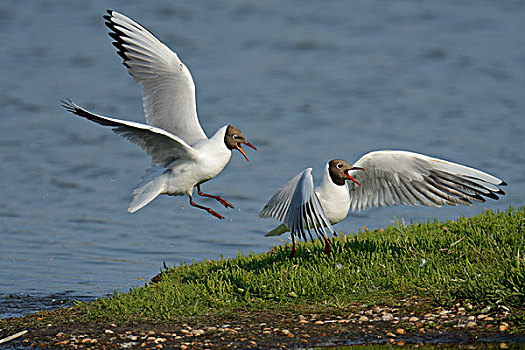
x=235 y=137
x=339 y=165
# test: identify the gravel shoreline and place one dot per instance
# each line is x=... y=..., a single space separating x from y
x=409 y=322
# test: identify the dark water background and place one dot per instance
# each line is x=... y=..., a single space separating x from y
x=306 y=81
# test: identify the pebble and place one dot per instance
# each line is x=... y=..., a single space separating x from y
x=400 y=331
x=108 y=331
x=471 y=318
x=363 y=319
x=413 y=319
x=471 y=324
x=503 y=328
x=387 y=317
x=390 y=335
x=285 y=331
x=319 y=322
x=481 y=316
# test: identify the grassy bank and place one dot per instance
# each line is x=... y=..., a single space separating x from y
x=480 y=260
x=458 y=282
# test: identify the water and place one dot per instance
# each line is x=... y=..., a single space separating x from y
x=305 y=81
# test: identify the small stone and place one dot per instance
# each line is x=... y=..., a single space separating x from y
x=471 y=324
x=413 y=319
x=113 y=325
x=184 y=347
x=108 y=331
x=369 y=312
x=391 y=335
x=86 y=340
x=489 y=319
x=471 y=318
x=363 y=319
x=151 y=333
x=387 y=317
x=422 y=330
x=303 y=321
x=285 y=331
x=503 y=346
x=503 y=328
x=400 y=331
x=301 y=317
x=319 y=322
x=159 y=346
x=481 y=316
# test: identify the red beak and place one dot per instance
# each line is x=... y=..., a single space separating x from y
x=350 y=177
x=239 y=147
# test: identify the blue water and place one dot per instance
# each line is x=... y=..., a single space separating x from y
x=305 y=81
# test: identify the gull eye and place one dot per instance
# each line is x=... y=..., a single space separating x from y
x=235 y=137
x=339 y=165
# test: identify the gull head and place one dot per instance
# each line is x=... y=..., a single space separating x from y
x=338 y=170
x=234 y=138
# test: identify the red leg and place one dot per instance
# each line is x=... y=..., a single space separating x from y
x=219 y=198
x=209 y=210
x=294 y=249
x=327 y=246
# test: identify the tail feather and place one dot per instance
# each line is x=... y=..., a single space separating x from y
x=279 y=230
x=147 y=190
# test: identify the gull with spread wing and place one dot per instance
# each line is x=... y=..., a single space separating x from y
x=377 y=178
x=183 y=156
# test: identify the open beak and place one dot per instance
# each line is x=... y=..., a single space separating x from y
x=350 y=177
x=239 y=147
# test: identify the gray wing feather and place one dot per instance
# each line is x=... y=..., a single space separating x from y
x=160 y=145
x=392 y=177
x=296 y=205
x=168 y=90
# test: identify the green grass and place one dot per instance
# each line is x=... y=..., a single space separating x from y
x=480 y=259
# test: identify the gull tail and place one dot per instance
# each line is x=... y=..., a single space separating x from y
x=279 y=230
x=153 y=183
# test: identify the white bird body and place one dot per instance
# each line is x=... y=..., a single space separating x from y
x=378 y=178
x=334 y=199
x=183 y=157
x=211 y=157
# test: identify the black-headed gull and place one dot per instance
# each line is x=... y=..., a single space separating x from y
x=378 y=178
x=183 y=157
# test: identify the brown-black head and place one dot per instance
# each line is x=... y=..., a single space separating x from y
x=234 y=138
x=338 y=170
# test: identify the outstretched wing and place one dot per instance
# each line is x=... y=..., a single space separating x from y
x=168 y=91
x=296 y=205
x=409 y=178
x=160 y=145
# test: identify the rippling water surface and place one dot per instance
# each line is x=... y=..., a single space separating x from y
x=305 y=81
